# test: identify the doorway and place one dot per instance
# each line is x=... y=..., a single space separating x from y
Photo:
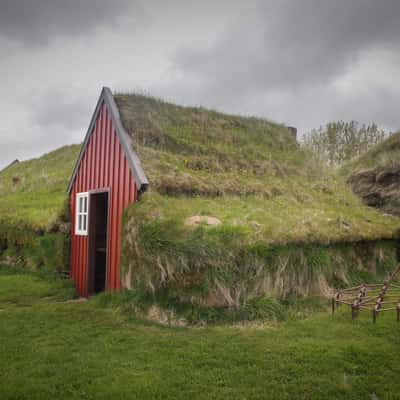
x=98 y=228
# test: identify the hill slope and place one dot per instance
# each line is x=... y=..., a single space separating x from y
x=36 y=196
x=375 y=176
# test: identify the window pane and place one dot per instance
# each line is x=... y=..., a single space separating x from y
x=85 y=204
x=80 y=207
x=84 y=222
x=79 y=222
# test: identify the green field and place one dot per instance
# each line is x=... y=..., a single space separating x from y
x=52 y=349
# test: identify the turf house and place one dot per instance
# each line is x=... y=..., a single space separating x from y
x=108 y=176
x=202 y=207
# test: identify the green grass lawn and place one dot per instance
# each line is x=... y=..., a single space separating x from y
x=51 y=349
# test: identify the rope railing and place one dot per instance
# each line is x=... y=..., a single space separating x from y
x=376 y=298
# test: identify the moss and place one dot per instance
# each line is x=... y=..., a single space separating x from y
x=47 y=252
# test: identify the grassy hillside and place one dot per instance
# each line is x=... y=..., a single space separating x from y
x=33 y=211
x=375 y=176
x=37 y=197
x=237 y=209
x=52 y=349
x=249 y=173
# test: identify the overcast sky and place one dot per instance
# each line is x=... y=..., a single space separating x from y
x=300 y=62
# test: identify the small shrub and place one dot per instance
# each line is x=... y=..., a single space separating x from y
x=263 y=308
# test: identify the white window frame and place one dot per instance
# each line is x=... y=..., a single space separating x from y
x=82 y=214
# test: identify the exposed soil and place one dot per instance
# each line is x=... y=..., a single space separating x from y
x=378 y=187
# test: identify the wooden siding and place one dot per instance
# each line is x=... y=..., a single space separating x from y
x=103 y=166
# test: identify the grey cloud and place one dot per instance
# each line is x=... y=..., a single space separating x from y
x=54 y=117
x=40 y=21
x=380 y=105
x=54 y=108
x=300 y=62
x=290 y=43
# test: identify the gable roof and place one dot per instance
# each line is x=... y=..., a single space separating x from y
x=107 y=98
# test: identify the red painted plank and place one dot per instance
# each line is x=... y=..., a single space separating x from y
x=120 y=203
x=106 y=149
x=98 y=151
x=112 y=210
x=91 y=163
x=116 y=198
x=103 y=145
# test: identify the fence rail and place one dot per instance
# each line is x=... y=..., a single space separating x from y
x=376 y=298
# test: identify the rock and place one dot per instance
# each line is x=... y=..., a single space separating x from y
x=164 y=317
x=346 y=224
x=9 y=261
x=202 y=219
x=77 y=300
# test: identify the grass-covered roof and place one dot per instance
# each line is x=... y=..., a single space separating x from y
x=248 y=172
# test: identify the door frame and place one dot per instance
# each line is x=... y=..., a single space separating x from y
x=90 y=253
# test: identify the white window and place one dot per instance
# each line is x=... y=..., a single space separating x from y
x=82 y=208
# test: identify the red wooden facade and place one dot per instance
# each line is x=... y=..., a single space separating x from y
x=103 y=165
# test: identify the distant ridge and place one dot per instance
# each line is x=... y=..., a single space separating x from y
x=16 y=161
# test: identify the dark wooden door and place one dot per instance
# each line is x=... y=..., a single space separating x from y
x=98 y=252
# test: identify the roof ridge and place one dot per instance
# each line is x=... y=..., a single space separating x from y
x=107 y=98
